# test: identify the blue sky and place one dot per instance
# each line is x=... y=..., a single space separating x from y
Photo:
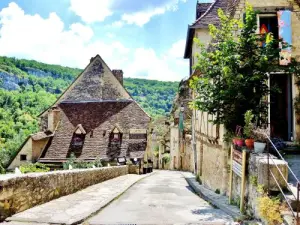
x=145 y=38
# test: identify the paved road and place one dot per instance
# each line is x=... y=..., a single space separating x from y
x=163 y=198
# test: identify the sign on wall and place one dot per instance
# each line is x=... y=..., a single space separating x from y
x=238 y=167
x=138 y=134
x=138 y=131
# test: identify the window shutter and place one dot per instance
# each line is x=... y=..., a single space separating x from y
x=285 y=33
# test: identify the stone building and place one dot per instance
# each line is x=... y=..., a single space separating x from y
x=94 y=118
x=212 y=153
x=181 y=152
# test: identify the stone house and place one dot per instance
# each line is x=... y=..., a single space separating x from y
x=212 y=153
x=181 y=152
x=94 y=118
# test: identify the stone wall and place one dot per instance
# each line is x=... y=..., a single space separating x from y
x=215 y=168
x=21 y=192
x=256 y=175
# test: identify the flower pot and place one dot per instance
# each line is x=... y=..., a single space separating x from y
x=249 y=143
x=239 y=142
x=234 y=141
x=259 y=147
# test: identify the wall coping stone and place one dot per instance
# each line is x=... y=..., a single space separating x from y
x=5 y=177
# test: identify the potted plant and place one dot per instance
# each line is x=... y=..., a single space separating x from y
x=248 y=129
x=239 y=141
x=260 y=140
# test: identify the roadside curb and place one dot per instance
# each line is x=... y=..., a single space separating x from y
x=216 y=200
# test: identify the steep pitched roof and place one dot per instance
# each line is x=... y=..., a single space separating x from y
x=95 y=83
x=201 y=9
x=209 y=17
x=211 y=14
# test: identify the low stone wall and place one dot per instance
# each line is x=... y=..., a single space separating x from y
x=21 y=192
x=214 y=167
x=257 y=174
x=133 y=169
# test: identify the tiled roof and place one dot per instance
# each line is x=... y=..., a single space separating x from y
x=201 y=9
x=211 y=14
x=41 y=135
x=98 y=119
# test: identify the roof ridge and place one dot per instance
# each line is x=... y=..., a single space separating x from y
x=206 y=12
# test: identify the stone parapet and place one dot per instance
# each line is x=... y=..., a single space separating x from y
x=21 y=192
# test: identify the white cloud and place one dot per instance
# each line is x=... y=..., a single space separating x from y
x=98 y=10
x=91 y=10
x=46 y=40
x=118 y=24
x=141 y=18
x=49 y=41
x=169 y=67
x=177 y=49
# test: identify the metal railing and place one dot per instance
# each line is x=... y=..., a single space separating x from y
x=296 y=196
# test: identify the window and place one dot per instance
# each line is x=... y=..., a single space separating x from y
x=23 y=157
x=280 y=25
x=115 y=137
x=268 y=23
x=77 y=140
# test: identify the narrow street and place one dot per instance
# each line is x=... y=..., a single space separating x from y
x=163 y=198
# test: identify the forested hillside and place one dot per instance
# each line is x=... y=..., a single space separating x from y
x=28 y=87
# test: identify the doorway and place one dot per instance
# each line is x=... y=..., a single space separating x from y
x=281 y=117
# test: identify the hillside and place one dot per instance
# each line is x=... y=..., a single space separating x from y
x=28 y=87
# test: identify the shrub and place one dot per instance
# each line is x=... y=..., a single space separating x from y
x=166 y=158
x=34 y=167
x=79 y=164
x=269 y=209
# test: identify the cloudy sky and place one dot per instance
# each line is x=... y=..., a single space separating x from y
x=145 y=38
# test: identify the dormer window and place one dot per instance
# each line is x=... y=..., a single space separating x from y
x=115 y=136
x=78 y=140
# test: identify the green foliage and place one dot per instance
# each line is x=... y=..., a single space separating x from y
x=217 y=191
x=155 y=97
x=253 y=181
x=156 y=151
x=166 y=158
x=18 y=118
x=269 y=209
x=34 y=167
x=79 y=164
x=248 y=124
x=235 y=71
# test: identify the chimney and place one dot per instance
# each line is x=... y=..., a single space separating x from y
x=119 y=75
x=53 y=118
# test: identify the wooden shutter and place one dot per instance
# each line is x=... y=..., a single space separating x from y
x=285 y=33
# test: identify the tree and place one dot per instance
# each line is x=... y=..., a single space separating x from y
x=235 y=69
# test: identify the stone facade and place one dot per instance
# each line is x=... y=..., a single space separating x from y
x=21 y=192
